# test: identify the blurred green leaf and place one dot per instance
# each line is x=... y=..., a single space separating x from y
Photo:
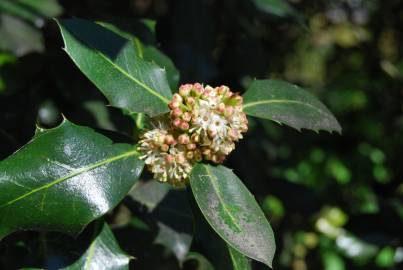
x=275 y=7
x=18 y=36
x=286 y=103
x=332 y=261
x=112 y=64
x=64 y=178
x=202 y=262
x=169 y=209
x=232 y=211
x=385 y=257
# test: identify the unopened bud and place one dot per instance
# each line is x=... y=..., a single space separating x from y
x=184 y=90
x=177 y=97
x=183 y=139
x=174 y=104
x=189 y=155
x=176 y=122
x=190 y=101
x=229 y=110
x=180 y=159
x=222 y=89
x=169 y=139
x=197 y=89
x=176 y=112
x=169 y=159
x=195 y=138
x=221 y=107
x=184 y=125
x=197 y=156
x=164 y=147
x=191 y=146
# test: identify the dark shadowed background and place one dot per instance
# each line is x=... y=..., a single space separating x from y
x=335 y=201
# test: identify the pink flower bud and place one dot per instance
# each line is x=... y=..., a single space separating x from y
x=184 y=90
x=174 y=104
x=177 y=97
x=169 y=139
x=222 y=89
x=221 y=107
x=176 y=112
x=184 y=125
x=183 y=139
x=176 y=122
x=169 y=159
x=191 y=146
x=190 y=101
x=164 y=148
x=229 y=110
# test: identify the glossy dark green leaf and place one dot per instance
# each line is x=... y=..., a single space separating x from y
x=288 y=104
x=63 y=179
x=111 y=63
x=169 y=209
x=149 y=53
x=104 y=253
x=202 y=262
x=232 y=211
x=239 y=261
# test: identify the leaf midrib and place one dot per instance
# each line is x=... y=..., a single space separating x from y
x=260 y=102
x=147 y=88
x=71 y=175
x=220 y=198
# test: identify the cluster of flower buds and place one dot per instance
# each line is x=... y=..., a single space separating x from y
x=204 y=123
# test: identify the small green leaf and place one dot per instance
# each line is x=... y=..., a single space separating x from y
x=202 y=262
x=279 y=8
x=232 y=211
x=286 y=103
x=239 y=261
x=104 y=253
x=111 y=63
x=63 y=179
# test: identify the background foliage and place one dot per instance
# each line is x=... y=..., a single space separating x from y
x=335 y=202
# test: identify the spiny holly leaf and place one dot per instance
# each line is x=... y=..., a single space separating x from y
x=239 y=261
x=232 y=211
x=289 y=104
x=111 y=63
x=148 y=53
x=63 y=179
x=104 y=253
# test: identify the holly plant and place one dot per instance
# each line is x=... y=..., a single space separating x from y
x=71 y=175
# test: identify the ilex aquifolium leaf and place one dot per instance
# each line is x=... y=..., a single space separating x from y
x=232 y=211
x=289 y=104
x=113 y=65
x=63 y=179
x=104 y=253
